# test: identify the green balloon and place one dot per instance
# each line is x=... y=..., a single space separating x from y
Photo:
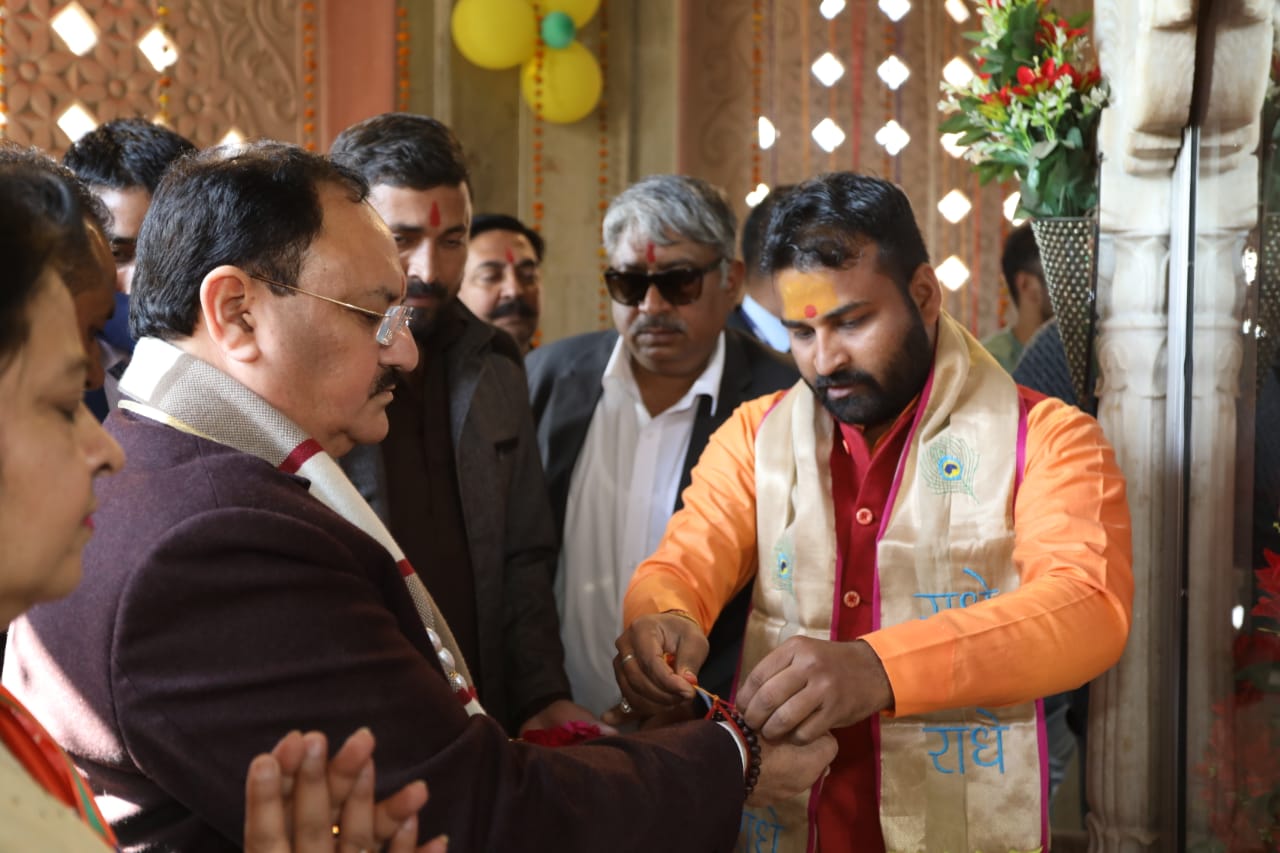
x=558 y=30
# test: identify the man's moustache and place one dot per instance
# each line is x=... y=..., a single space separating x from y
x=659 y=323
x=514 y=308
x=418 y=287
x=385 y=382
x=844 y=378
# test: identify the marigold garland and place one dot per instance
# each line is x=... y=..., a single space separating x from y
x=538 y=56
x=403 y=41
x=309 y=68
x=757 y=89
x=602 y=117
x=4 y=94
x=164 y=82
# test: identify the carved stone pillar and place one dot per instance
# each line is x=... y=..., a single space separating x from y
x=1238 y=39
x=1148 y=53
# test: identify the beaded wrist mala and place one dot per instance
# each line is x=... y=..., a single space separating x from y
x=721 y=711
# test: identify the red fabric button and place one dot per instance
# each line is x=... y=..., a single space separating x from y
x=864 y=516
x=852 y=599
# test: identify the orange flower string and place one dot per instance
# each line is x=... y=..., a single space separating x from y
x=165 y=81
x=309 y=68
x=403 y=80
x=602 y=114
x=4 y=94
x=757 y=88
x=538 y=54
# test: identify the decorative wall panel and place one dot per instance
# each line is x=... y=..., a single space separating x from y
x=238 y=67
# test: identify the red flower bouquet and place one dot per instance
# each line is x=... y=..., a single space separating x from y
x=1032 y=109
x=1240 y=775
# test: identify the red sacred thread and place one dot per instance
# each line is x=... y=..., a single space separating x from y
x=603 y=181
x=806 y=52
x=975 y=267
x=4 y=92
x=857 y=62
x=403 y=87
x=831 y=90
x=1002 y=294
x=890 y=39
x=164 y=81
x=309 y=67
x=757 y=89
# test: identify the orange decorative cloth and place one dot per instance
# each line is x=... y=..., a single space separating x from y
x=35 y=749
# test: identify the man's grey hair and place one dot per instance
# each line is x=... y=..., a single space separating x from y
x=668 y=208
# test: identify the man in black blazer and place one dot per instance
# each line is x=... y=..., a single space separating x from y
x=622 y=415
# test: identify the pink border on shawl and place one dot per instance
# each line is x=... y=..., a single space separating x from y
x=1042 y=733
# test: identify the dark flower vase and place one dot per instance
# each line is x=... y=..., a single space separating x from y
x=1069 y=255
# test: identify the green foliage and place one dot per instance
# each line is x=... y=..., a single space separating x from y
x=1032 y=110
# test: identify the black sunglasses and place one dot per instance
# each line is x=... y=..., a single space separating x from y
x=678 y=286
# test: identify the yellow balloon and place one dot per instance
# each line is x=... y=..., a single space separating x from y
x=571 y=84
x=580 y=10
x=495 y=33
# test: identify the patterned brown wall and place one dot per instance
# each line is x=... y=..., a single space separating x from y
x=717 y=124
x=238 y=67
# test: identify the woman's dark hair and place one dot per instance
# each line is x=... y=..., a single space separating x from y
x=828 y=221
x=76 y=258
x=255 y=206
x=39 y=215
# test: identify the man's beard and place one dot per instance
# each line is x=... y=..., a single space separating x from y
x=513 y=308
x=424 y=322
x=881 y=403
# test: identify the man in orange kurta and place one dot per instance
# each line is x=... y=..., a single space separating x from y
x=864 y=310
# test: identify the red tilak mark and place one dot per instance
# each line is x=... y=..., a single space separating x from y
x=650 y=254
x=810 y=311
x=435 y=215
x=511 y=257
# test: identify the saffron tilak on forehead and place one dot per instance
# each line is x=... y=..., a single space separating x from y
x=806 y=295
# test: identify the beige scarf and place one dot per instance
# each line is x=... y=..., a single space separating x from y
x=172 y=387
x=956 y=781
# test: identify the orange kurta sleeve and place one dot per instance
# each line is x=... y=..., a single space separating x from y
x=708 y=552
x=1069 y=619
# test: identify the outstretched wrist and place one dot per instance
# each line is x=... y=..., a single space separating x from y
x=748 y=741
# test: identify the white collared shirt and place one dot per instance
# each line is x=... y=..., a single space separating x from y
x=621 y=494
x=768 y=327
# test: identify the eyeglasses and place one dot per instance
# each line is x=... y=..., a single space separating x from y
x=393 y=320
x=679 y=286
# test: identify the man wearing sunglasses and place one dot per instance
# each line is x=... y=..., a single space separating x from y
x=624 y=414
x=458 y=478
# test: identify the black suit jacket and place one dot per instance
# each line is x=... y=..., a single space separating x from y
x=564 y=387
x=508 y=527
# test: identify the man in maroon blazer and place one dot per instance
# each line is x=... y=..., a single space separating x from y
x=228 y=597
